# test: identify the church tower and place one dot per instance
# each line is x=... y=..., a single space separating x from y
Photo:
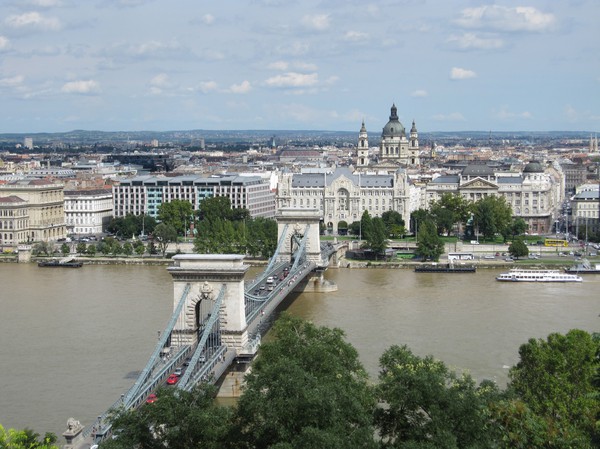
x=363 y=147
x=413 y=146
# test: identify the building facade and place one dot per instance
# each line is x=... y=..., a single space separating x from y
x=585 y=210
x=14 y=221
x=533 y=194
x=88 y=211
x=342 y=195
x=145 y=194
x=45 y=201
x=395 y=146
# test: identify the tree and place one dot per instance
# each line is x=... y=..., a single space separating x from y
x=377 y=239
x=425 y=405
x=81 y=248
x=558 y=380
x=366 y=225
x=492 y=215
x=64 y=249
x=394 y=224
x=42 y=248
x=429 y=245
x=307 y=389
x=139 y=248
x=163 y=235
x=213 y=208
x=26 y=439
x=131 y=225
x=91 y=250
x=516 y=228
x=128 y=249
x=419 y=217
x=449 y=210
x=355 y=228
x=518 y=248
x=342 y=227
x=178 y=419
x=176 y=213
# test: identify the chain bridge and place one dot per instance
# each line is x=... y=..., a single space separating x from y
x=218 y=318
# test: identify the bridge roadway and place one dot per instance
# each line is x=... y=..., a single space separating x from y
x=209 y=358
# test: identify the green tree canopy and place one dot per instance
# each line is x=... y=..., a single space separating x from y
x=558 y=380
x=429 y=244
x=424 y=404
x=518 y=248
x=492 y=215
x=377 y=239
x=366 y=225
x=178 y=214
x=449 y=210
x=26 y=439
x=307 y=389
x=163 y=235
x=177 y=419
x=131 y=225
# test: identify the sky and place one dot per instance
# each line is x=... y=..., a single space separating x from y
x=161 y=65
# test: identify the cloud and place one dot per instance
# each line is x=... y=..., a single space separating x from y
x=452 y=117
x=81 y=87
x=318 y=22
x=293 y=79
x=502 y=18
x=355 y=36
x=4 y=43
x=419 y=93
x=32 y=20
x=243 y=88
x=45 y=3
x=278 y=65
x=208 y=19
x=505 y=114
x=207 y=86
x=150 y=50
x=468 y=41
x=456 y=73
x=12 y=82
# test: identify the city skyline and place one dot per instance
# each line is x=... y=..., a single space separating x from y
x=272 y=64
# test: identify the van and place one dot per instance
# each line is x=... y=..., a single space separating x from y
x=270 y=280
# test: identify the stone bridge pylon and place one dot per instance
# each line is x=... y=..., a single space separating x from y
x=298 y=222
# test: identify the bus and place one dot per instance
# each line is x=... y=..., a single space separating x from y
x=460 y=256
x=555 y=242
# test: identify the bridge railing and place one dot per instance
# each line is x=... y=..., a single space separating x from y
x=147 y=372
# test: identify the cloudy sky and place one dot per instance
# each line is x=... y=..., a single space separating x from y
x=451 y=65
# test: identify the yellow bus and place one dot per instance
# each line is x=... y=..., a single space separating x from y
x=555 y=242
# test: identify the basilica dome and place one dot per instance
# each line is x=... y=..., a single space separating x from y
x=534 y=167
x=393 y=128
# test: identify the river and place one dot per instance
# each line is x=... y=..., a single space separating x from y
x=73 y=340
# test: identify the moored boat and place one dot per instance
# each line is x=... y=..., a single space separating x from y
x=445 y=268
x=521 y=275
x=584 y=267
x=58 y=263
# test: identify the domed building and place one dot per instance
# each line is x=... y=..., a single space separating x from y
x=395 y=146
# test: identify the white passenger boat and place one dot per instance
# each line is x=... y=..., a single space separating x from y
x=520 y=275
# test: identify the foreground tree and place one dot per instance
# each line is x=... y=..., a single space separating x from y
x=26 y=439
x=429 y=245
x=448 y=211
x=307 y=389
x=557 y=379
x=425 y=405
x=177 y=419
x=377 y=240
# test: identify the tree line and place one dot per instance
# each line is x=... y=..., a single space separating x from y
x=308 y=389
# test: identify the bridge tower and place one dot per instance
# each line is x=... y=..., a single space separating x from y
x=299 y=222
x=206 y=275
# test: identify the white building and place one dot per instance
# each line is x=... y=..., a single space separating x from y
x=88 y=211
x=144 y=194
x=395 y=146
x=342 y=195
x=535 y=194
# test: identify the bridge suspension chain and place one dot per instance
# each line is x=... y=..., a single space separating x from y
x=208 y=329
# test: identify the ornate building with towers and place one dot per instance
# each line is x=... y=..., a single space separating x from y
x=395 y=149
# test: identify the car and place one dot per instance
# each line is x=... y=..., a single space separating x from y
x=187 y=361
x=151 y=398
x=202 y=359
x=178 y=372
x=489 y=256
x=172 y=379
